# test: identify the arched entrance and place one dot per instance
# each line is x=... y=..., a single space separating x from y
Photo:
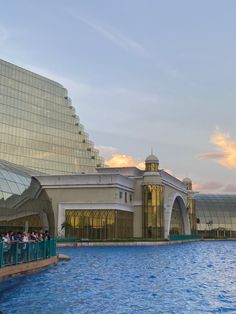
x=176 y=221
x=176 y=216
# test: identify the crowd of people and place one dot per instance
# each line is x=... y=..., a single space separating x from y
x=24 y=237
x=21 y=247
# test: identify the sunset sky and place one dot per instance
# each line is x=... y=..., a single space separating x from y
x=142 y=74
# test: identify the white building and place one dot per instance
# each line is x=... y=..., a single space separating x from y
x=119 y=203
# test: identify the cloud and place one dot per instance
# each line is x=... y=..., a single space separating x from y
x=208 y=186
x=117 y=38
x=114 y=36
x=119 y=160
x=120 y=40
x=212 y=155
x=230 y=188
x=226 y=153
x=107 y=151
x=113 y=158
x=169 y=171
x=214 y=187
x=227 y=147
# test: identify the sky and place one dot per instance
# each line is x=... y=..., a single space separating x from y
x=143 y=75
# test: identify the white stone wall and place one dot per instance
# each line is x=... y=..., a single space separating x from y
x=102 y=191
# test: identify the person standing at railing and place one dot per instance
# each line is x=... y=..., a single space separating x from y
x=6 y=238
x=25 y=240
x=6 y=248
x=18 y=236
x=34 y=236
x=13 y=247
x=46 y=235
x=12 y=236
x=41 y=244
x=47 y=243
x=40 y=237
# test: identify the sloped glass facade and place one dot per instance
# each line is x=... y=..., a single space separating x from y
x=39 y=127
x=22 y=206
x=14 y=179
x=216 y=215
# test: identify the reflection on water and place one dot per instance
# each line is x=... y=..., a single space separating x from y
x=191 y=278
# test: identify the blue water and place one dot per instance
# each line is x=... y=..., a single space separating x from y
x=190 y=278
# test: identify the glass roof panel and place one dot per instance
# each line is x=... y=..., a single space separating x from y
x=14 y=179
x=4 y=186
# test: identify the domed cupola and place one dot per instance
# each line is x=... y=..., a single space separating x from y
x=151 y=163
x=188 y=183
x=153 y=200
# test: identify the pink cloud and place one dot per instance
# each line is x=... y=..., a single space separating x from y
x=169 y=171
x=230 y=188
x=227 y=147
x=226 y=153
x=208 y=186
x=121 y=160
x=212 y=155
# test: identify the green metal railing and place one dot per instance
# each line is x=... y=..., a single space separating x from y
x=19 y=252
x=181 y=237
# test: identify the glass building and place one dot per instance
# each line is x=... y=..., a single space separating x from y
x=23 y=205
x=39 y=127
x=216 y=215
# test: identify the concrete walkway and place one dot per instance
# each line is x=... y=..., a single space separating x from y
x=19 y=269
x=132 y=243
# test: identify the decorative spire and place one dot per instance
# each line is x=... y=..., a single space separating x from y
x=152 y=163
